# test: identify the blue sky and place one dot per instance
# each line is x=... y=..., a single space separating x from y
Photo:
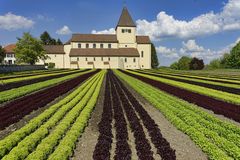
x=201 y=28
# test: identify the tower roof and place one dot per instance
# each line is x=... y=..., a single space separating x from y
x=125 y=19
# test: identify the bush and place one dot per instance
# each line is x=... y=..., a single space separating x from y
x=51 y=65
x=196 y=64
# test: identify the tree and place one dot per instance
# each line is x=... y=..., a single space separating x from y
x=233 y=61
x=154 y=58
x=2 y=54
x=59 y=42
x=183 y=63
x=29 y=50
x=46 y=38
x=196 y=64
x=215 y=64
x=174 y=66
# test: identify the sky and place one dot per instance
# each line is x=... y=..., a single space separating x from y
x=197 y=28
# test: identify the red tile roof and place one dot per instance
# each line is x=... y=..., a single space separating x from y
x=9 y=48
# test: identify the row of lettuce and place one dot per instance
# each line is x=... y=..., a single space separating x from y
x=54 y=133
x=21 y=91
x=217 y=138
x=217 y=94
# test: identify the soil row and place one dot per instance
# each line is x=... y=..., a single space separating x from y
x=217 y=87
x=15 y=110
x=117 y=103
x=217 y=106
x=31 y=81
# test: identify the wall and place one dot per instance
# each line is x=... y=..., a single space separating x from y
x=145 y=61
x=17 y=68
x=83 y=45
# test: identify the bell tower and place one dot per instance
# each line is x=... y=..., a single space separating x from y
x=126 y=28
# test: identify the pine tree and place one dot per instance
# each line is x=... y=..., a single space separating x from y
x=154 y=58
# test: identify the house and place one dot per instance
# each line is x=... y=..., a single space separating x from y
x=10 y=56
x=124 y=49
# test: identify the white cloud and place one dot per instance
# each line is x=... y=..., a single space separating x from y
x=210 y=23
x=44 y=18
x=64 y=30
x=11 y=21
x=107 y=31
x=192 y=49
x=167 y=52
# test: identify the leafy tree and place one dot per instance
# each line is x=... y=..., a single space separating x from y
x=215 y=64
x=29 y=50
x=174 y=66
x=59 y=42
x=154 y=58
x=2 y=54
x=233 y=61
x=224 y=60
x=46 y=38
x=183 y=63
x=196 y=64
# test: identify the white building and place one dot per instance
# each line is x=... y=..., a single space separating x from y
x=10 y=56
x=121 y=50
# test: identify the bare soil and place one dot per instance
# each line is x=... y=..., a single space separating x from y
x=86 y=143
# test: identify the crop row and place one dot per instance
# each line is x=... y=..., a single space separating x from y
x=103 y=146
x=18 y=79
x=15 y=110
x=219 y=74
x=230 y=88
x=29 y=73
x=220 y=95
x=36 y=80
x=21 y=91
x=219 y=107
x=217 y=138
x=197 y=77
x=43 y=133
x=123 y=102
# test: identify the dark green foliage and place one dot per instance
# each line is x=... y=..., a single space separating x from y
x=51 y=65
x=232 y=60
x=215 y=64
x=182 y=63
x=196 y=64
x=29 y=49
x=154 y=58
x=2 y=54
x=48 y=40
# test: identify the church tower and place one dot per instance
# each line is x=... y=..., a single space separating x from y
x=126 y=29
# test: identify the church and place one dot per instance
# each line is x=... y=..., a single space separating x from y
x=124 y=49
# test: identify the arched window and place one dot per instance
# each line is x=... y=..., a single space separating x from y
x=79 y=45
x=134 y=60
x=142 y=54
x=125 y=59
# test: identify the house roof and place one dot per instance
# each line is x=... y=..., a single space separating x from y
x=125 y=19
x=9 y=48
x=121 y=52
x=108 y=38
x=103 y=38
x=54 y=49
x=143 y=40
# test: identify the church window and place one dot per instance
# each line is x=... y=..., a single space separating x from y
x=94 y=58
x=129 y=30
x=94 y=45
x=77 y=59
x=109 y=58
x=123 y=30
x=134 y=60
x=109 y=46
x=87 y=45
x=86 y=59
x=142 y=54
x=125 y=59
x=102 y=58
x=79 y=45
x=101 y=45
